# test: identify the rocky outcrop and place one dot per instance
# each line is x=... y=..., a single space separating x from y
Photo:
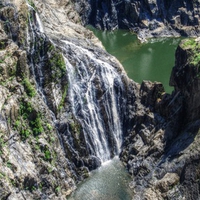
x=162 y=143
x=147 y=18
x=186 y=68
x=33 y=162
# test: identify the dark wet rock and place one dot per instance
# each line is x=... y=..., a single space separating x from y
x=162 y=143
x=93 y=163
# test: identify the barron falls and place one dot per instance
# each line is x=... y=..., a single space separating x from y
x=68 y=108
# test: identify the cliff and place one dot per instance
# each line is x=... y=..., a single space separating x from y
x=161 y=149
x=58 y=89
x=33 y=162
x=67 y=106
x=147 y=18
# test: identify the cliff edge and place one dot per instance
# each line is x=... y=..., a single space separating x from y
x=147 y=18
x=161 y=150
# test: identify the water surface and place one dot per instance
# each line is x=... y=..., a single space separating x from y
x=109 y=182
x=148 y=61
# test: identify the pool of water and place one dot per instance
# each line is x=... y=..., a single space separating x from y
x=147 y=61
x=109 y=182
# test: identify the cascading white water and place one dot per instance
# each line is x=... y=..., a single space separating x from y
x=35 y=30
x=40 y=26
x=94 y=91
x=87 y=77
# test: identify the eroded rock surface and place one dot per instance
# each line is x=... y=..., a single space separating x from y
x=148 y=18
x=162 y=143
x=44 y=151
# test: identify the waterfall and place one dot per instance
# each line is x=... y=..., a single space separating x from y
x=36 y=40
x=94 y=99
x=94 y=91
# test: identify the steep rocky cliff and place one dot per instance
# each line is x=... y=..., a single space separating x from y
x=161 y=149
x=33 y=162
x=62 y=98
x=147 y=18
x=66 y=106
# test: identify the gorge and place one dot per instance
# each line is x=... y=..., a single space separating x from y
x=67 y=106
x=142 y=61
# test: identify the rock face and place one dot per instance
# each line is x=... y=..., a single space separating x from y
x=33 y=162
x=66 y=106
x=62 y=100
x=186 y=68
x=162 y=142
x=148 y=18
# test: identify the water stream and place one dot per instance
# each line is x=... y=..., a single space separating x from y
x=93 y=99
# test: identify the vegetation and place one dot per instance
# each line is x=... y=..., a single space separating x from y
x=30 y=2
x=57 y=189
x=3 y=44
x=63 y=98
x=29 y=122
x=194 y=56
x=57 y=64
x=47 y=155
x=2 y=143
x=36 y=125
x=189 y=43
x=49 y=127
x=196 y=59
x=29 y=88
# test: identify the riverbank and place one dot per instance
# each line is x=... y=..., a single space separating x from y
x=147 y=19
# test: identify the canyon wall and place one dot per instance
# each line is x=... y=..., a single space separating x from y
x=147 y=18
x=67 y=106
x=62 y=100
x=161 y=148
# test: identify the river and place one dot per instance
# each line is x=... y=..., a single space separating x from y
x=142 y=61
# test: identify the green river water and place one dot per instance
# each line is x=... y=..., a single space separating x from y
x=147 y=61
x=109 y=182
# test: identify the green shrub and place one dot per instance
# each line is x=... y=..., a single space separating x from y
x=189 y=43
x=49 y=127
x=58 y=66
x=63 y=97
x=29 y=88
x=25 y=133
x=37 y=126
x=47 y=155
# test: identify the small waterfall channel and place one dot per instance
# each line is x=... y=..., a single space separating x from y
x=95 y=91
